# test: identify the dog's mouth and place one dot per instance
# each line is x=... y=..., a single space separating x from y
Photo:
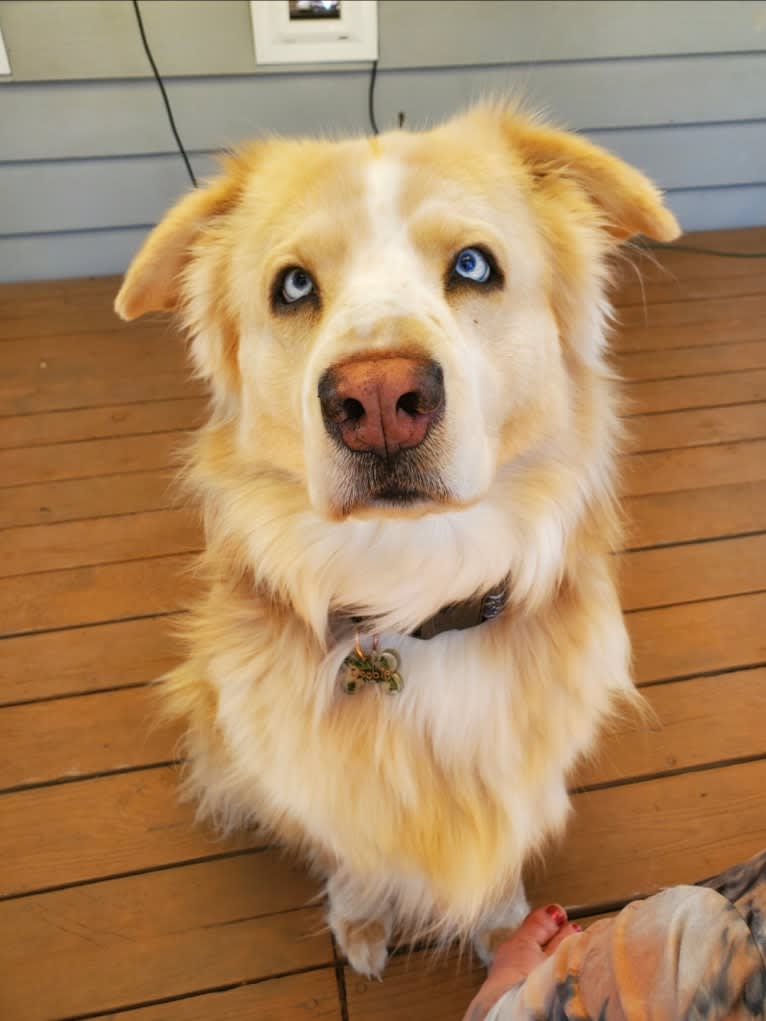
x=398 y=496
x=409 y=480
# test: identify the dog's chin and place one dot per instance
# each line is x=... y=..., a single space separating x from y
x=393 y=502
x=398 y=501
x=390 y=501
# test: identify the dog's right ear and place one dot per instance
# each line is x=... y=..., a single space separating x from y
x=153 y=278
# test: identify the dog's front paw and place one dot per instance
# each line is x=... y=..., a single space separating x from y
x=501 y=924
x=364 y=944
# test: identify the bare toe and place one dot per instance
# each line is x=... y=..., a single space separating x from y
x=570 y=929
x=526 y=948
x=538 y=929
x=542 y=924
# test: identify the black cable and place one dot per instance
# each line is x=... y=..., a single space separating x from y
x=165 y=99
x=670 y=246
x=658 y=245
x=371 y=98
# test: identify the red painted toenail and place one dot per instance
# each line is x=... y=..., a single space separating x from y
x=558 y=916
x=576 y=927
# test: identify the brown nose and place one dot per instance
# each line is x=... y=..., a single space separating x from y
x=382 y=404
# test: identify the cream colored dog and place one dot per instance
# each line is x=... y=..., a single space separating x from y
x=404 y=339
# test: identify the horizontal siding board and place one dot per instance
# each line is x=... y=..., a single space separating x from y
x=129 y=191
x=718 y=208
x=43 y=256
x=100 y=193
x=102 y=39
x=583 y=95
x=38 y=121
x=693 y=156
x=503 y=32
x=113 y=117
x=96 y=252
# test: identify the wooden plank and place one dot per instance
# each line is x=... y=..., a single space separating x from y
x=643 y=287
x=26 y=466
x=674 y=830
x=697 y=638
x=673 y=811
x=631 y=840
x=75 y=499
x=700 y=721
x=415 y=987
x=47 y=741
x=89 y=595
x=643 y=397
x=312 y=996
x=677 y=641
x=665 y=338
x=693 y=361
x=743 y=239
x=93 y=389
x=689 y=514
x=89 y=370
x=106 y=540
x=650 y=277
x=700 y=312
x=59 y=357
x=58 y=663
x=24 y=297
x=144 y=490
x=685 y=574
x=132 y=453
x=697 y=427
x=101 y=423
x=703 y=720
x=128 y=941
x=668 y=470
x=103 y=827
x=87 y=308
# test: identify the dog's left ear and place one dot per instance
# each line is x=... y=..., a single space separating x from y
x=153 y=279
x=627 y=199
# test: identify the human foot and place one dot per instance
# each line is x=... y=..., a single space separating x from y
x=538 y=936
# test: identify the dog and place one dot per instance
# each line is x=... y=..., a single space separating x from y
x=409 y=631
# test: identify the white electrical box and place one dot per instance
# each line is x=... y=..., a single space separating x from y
x=5 y=67
x=314 y=31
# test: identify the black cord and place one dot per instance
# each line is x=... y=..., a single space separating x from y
x=165 y=99
x=670 y=246
x=371 y=98
x=657 y=245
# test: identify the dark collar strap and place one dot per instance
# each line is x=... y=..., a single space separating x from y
x=471 y=613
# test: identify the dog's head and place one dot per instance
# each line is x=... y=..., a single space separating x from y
x=390 y=321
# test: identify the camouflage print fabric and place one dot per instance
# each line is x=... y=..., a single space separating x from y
x=690 y=953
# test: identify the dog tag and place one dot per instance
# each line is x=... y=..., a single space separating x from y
x=371 y=668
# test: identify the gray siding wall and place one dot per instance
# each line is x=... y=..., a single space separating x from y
x=88 y=164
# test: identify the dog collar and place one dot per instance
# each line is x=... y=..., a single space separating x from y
x=374 y=666
x=461 y=616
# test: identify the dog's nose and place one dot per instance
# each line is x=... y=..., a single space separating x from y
x=382 y=404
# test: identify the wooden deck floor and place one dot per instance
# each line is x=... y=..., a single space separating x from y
x=114 y=904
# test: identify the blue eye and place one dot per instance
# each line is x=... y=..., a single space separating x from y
x=296 y=284
x=473 y=265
